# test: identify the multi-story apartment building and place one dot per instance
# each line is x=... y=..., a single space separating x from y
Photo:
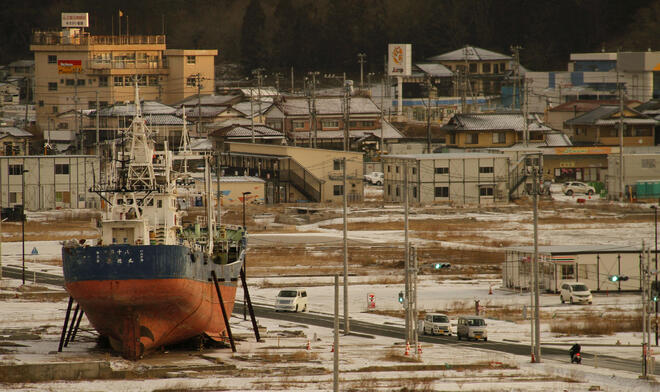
x=75 y=69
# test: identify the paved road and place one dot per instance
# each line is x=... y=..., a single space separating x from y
x=373 y=330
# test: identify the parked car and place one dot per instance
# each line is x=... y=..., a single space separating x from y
x=437 y=324
x=572 y=187
x=471 y=327
x=575 y=292
x=292 y=300
x=374 y=178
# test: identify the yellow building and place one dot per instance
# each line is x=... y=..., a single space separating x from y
x=74 y=70
x=295 y=174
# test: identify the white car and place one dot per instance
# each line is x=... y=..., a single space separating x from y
x=293 y=300
x=575 y=292
x=374 y=178
x=437 y=324
x=571 y=187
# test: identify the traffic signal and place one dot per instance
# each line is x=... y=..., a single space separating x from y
x=655 y=291
x=617 y=278
x=441 y=265
x=437 y=265
x=400 y=297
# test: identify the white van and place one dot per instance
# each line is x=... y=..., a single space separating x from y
x=292 y=300
x=437 y=324
x=471 y=327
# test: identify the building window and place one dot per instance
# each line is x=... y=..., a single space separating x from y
x=338 y=190
x=485 y=68
x=414 y=192
x=389 y=169
x=191 y=82
x=441 y=191
x=362 y=124
x=499 y=137
x=414 y=171
x=63 y=197
x=41 y=104
x=153 y=80
x=330 y=124
x=298 y=125
x=52 y=59
x=56 y=109
x=81 y=82
x=485 y=169
x=397 y=191
x=452 y=138
x=472 y=138
x=473 y=68
x=191 y=59
x=389 y=189
x=103 y=81
x=441 y=170
x=336 y=164
x=62 y=168
x=119 y=81
x=15 y=170
x=648 y=163
x=70 y=82
x=486 y=191
x=568 y=271
x=13 y=197
x=396 y=169
x=52 y=86
x=91 y=104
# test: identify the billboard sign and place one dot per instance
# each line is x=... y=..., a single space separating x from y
x=77 y=19
x=399 y=61
x=69 y=66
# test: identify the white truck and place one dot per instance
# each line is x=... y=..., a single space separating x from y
x=374 y=178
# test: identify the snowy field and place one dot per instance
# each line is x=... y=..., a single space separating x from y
x=282 y=361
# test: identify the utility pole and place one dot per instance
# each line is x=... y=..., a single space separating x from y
x=428 y=112
x=516 y=74
x=75 y=110
x=198 y=81
x=292 y=83
x=525 y=118
x=335 y=356
x=622 y=192
x=347 y=328
x=537 y=322
x=382 y=121
x=406 y=302
x=98 y=148
x=362 y=59
x=645 y=278
x=252 y=113
x=347 y=115
x=413 y=296
x=312 y=109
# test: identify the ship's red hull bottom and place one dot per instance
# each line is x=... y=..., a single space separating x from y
x=140 y=315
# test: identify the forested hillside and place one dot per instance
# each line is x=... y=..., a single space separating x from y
x=326 y=35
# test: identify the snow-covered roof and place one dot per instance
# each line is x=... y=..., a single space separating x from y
x=128 y=109
x=241 y=131
x=575 y=249
x=328 y=105
x=494 y=121
x=207 y=100
x=448 y=155
x=472 y=53
x=13 y=131
x=435 y=70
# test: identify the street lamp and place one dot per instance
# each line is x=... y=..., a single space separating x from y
x=23 y=171
x=244 y=257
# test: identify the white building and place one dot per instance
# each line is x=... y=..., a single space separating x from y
x=463 y=178
x=49 y=181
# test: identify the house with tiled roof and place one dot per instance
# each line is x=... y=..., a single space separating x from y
x=493 y=130
x=600 y=127
x=14 y=141
x=556 y=116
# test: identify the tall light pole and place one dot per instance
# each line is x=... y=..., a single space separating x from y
x=362 y=59
x=23 y=171
x=245 y=257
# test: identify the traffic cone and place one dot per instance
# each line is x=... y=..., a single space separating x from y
x=419 y=349
x=407 y=348
x=309 y=346
x=490 y=290
x=333 y=348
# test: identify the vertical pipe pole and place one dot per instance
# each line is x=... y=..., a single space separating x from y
x=246 y=294
x=224 y=311
x=347 y=328
x=537 y=322
x=406 y=301
x=335 y=357
x=66 y=322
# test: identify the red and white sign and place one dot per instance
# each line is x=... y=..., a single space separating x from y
x=75 y=19
x=69 y=66
x=371 y=301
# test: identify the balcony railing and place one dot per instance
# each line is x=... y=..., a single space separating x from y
x=83 y=38
x=127 y=63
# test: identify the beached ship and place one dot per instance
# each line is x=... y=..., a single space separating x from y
x=149 y=282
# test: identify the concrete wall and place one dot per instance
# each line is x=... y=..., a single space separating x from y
x=637 y=167
x=44 y=189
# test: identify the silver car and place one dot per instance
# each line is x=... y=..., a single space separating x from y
x=571 y=187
